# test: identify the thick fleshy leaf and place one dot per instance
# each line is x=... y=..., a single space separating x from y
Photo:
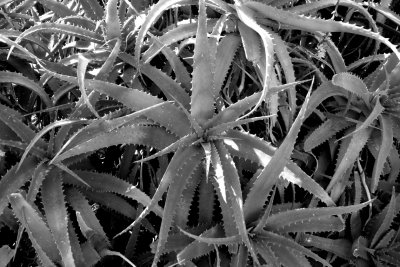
x=197 y=249
x=315 y=24
x=266 y=61
x=59 y=8
x=252 y=148
x=202 y=98
x=42 y=132
x=136 y=134
x=92 y=9
x=172 y=90
x=340 y=247
x=81 y=72
x=169 y=176
x=14 y=121
x=390 y=213
x=81 y=205
x=325 y=131
x=175 y=190
x=353 y=84
x=113 y=30
x=50 y=27
x=384 y=150
x=277 y=240
x=104 y=182
x=17 y=78
x=37 y=229
x=56 y=215
x=357 y=143
x=14 y=179
x=168 y=116
x=270 y=174
x=234 y=194
x=303 y=220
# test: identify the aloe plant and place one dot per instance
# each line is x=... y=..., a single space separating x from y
x=178 y=96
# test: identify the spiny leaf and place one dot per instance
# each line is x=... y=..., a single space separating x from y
x=251 y=42
x=258 y=151
x=60 y=9
x=281 y=50
x=14 y=121
x=234 y=111
x=13 y=77
x=165 y=182
x=214 y=240
x=169 y=116
x=39 y=174
x=386 y=12
x=181 y=143
x=325 y=131
x=197 y=249
x=267 y=254
x=35 y=226
x=185 y=29
x=289 y=220
x=104 y=182
x=171 y=89
x=14 y=179
x=188 y=195
x=384 y=151
x=225 y=53
x=112 y=202
x=79 y=203
x=81 y=72
x=42 y=132
x=56 y=215
x=247 y=16
x=50 y=27
x=387 y=239
x=207 y=201
x=324 y=91
x=153 y=15
x=136 y=134
x=278 y=240
x=391 y=211
x=36 y=152
x=315 y=24
x=202 y=98
x=175 y=190
x=104 y=125
x=92 y=9
x=113 y=30
x=219 y=172
x=340 y=247
x=351 y=83
x=108 y=65
x=234 y=194
x=356 y=144
x=270 y=174
x=76 y=248
x=289 y=257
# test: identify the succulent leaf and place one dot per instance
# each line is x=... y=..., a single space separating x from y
x=56 y=215
x=36 y=228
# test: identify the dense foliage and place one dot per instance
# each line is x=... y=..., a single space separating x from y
x=199 y=133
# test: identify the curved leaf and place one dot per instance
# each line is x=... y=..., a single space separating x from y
x=288 y=221
x=104 y=182
x=17 y=78
x=56 y=215
x=136 y=134
x=37 y=230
